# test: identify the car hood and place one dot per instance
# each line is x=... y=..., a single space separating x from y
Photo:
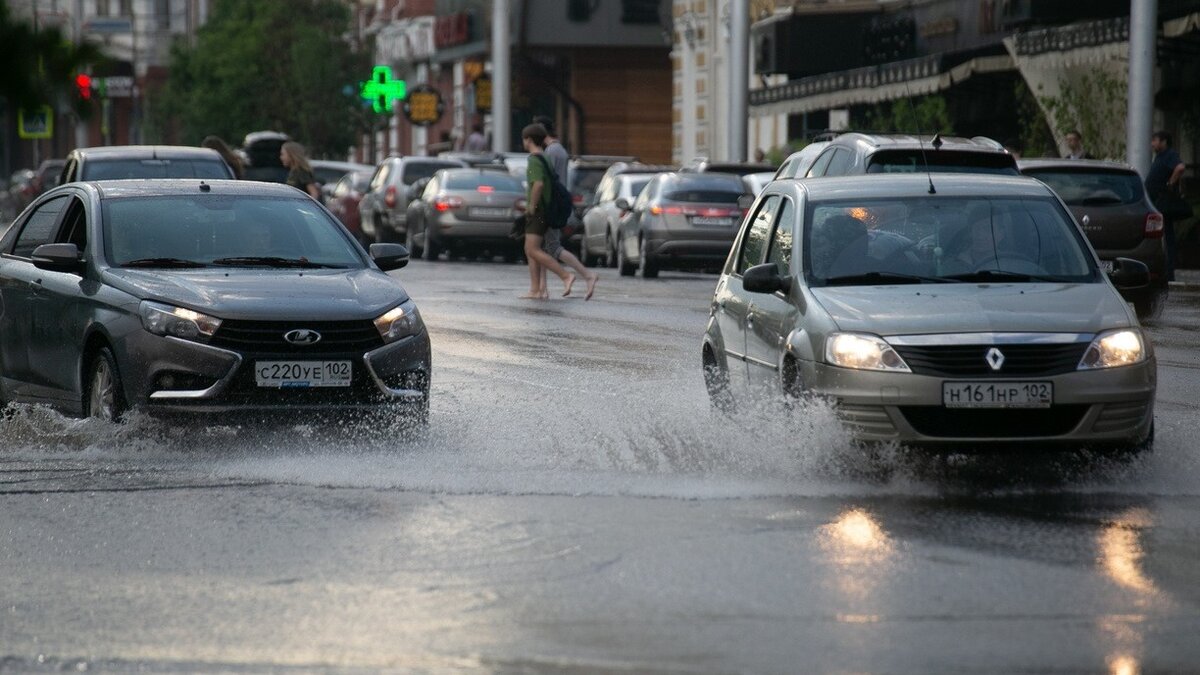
x=333 y=295
x=975 y=308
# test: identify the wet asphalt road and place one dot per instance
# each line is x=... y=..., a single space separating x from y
x=576 y=507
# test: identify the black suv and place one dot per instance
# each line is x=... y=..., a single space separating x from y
x=857 y=153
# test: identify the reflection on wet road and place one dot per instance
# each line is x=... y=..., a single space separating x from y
x=576 y=505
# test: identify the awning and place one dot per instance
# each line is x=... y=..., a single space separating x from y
x=888 y=82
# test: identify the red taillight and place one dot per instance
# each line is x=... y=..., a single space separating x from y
x=1154 y=225
x=704 y=211
x=389 y=197
x=519 y=206
x=446 y=203
x=486 y=189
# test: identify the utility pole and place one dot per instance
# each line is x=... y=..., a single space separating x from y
x=501 y=76
x=1143 y=39
x=739 y=78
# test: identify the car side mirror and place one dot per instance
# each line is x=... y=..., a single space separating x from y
x=57 y=258
x=389 y=257
x=765 y=278
x=744 y=202
x=1126 y=274
x=624 y=204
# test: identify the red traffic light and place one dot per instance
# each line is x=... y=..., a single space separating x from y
x=83 y=82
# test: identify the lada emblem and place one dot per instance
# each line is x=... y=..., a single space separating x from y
x=302 y=336
x=995 y=358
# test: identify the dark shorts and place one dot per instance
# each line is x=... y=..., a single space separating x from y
x=535 y=223
x=552 y=243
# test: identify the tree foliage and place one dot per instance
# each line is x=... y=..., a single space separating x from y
x=40 y=65
x=1036 y=139
x=266 y=64
x=1094 y=103
x=926 y=115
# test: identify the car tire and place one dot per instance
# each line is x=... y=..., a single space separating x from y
x=1149 y=306
x=626 y=268
x=382 y=234
x=585 y=253
x=646 y=266
x=103 y=395
x=716 y=382
x=410 y=242
x=610 y=251
x=432 y=249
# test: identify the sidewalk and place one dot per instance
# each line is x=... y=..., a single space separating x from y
x=1189 y=279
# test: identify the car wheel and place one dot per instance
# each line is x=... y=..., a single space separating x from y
x=1149 y=307
x=432 y=249
x=716 y=381
x=410 y=242
x=792 y=383
x=610 y=250
x=585 y=254
x=104 y=396
x=646 y=266
x=382 y=234
x=1133 y=450
x=623 y=265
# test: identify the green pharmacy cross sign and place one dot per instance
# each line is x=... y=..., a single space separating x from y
x=381 y=90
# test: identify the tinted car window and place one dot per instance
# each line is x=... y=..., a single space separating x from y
x=475 y=180
x=206 y=228
x=755 y=243
x=841 y=162
x=414 y=171
x=636 y=185
x=818 y=167
x=1092 y=187
x=780 y=252
x=848 y=241
x=39 y=227
x=912 y=161
x=154 y=168
x=706 y=189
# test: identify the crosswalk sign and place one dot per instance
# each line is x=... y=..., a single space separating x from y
x=36 y=124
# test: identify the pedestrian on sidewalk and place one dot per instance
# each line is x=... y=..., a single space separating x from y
x=556 y=155
x=476 y=142
x=1165 y=190
x=538 y=176
x=300 y=173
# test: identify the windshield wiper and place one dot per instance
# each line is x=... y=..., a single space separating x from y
x=272 y=261
x=870 y=278
x=994 y=275
x=163 y=262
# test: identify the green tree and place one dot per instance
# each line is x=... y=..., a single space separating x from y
x=926 y=115
x=1094 y=103
x=266 y=64
x=1036 y=139
x=40 y=65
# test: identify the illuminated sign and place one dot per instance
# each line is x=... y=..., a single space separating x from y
x=483 y=94
x=35 y=124
x=381 y=89
x=424 y=105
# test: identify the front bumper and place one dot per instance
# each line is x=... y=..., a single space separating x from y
x=689 y=249
x=1104 y=407
x=216 y=380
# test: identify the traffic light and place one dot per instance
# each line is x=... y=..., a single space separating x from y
x=83 y=84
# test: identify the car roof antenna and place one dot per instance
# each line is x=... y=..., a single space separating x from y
x=937 y=139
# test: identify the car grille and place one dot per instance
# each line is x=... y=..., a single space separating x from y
x=939 y=422
x=265 y=338
x=1020 y=360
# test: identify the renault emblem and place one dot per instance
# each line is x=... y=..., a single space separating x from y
x=995 y=358
x=302 y=336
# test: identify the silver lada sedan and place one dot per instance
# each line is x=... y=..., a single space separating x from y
x=947 y=310
x=203 y=297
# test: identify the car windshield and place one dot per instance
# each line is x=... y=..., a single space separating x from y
x=940 y=239
x=945 y=161
x=705 y=189
x=473 y=180
x=114 y=169
x=204 y=229
x=1084 y=187
x=415 y=171
x=586 y=179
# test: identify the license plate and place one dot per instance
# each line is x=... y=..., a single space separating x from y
x=1106 y=266
x=997 y=394
x=704 y=220
x=488 y=212
x=302 y=374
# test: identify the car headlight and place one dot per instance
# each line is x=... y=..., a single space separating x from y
x=399 y=322
x=1114 y=348
x=863 y=352
x=178 y=322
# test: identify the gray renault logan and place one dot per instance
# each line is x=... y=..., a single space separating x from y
x=956 y=310
x=202 y=296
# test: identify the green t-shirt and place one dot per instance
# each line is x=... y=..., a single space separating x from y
x=536 y=171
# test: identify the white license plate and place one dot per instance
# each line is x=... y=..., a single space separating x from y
x=703 y=220
x=488 y=212
x=997 y=394
x=302 y=374
x=1106 y=266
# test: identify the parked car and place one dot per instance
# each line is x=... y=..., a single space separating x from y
x=859 y=153
x=260 y=152
x=22 y=189
x=977 y=316
x=704 y=165
x=143 y=161
x=207 y=296
x=344 y=198
x=1110 y=204
x=679 y=221
x=584 y=173
x=47 y=175
x=477 y=160
x=465 y=210
x=755 y=182
x=329 y=172
x=602 y=220
x=384 y=207
x=798 y=163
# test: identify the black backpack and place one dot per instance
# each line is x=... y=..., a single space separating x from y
x=558 y=213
